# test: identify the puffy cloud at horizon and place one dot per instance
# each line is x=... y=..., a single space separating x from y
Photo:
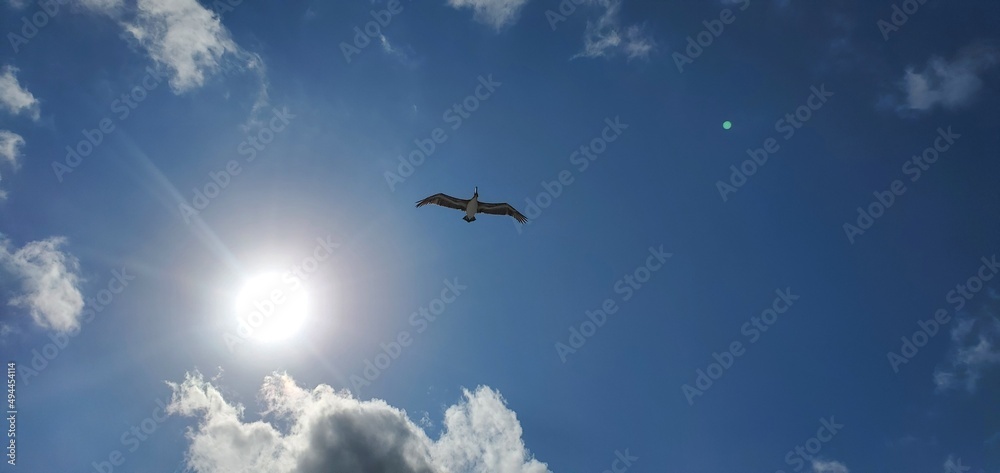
x=330 y=430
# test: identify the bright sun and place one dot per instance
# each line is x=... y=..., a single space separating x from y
x=269 y=308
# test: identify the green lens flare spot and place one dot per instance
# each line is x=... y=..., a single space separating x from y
x=727 y=124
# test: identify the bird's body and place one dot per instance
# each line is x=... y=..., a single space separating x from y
x=473 y=206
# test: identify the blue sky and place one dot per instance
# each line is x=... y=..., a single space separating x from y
x=210 y=258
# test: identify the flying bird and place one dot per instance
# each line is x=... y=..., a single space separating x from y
x=473 y=206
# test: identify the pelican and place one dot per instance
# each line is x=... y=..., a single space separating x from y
x=473 y=206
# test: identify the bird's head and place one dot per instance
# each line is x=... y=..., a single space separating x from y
x=476 y=192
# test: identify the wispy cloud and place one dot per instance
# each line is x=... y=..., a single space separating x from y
x=332 y=431
x=974 y=350
x=6 y=329
x=190 y=42
x=606 y=37
x=820 y=466
x=14 y=97
x=48 y=279
x=403 y=55
x=954 y=465
x=185 y=37
x=495 y=13
x=949 y=84
x=10 y=151
x=10 y=147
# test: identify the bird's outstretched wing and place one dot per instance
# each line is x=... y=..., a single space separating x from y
x=445 y=201
x=501 y=209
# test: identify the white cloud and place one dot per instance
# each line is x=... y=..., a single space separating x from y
x=819 y=466
x=974 y=350
x=391 y=50
x=10 y=151
x=949 y=84
x=605 y=38
x=326 y=430
x=183 y=36
x=17 y=4
x=10 y=147
x=190 y=42
x=15 y=98
x=48 y=282
x=496 y=13
x=482 y=435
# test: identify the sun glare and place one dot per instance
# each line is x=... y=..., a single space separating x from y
x=271 y=308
